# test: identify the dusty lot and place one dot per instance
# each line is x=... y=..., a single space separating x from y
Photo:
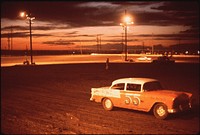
x=54 y=99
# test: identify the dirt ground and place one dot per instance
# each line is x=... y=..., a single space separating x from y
x=54 y=99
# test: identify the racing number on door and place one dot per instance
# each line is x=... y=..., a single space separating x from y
x=134 y=100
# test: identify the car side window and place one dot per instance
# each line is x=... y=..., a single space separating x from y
x=133 y=87
x=119 y=86
x=155 y=85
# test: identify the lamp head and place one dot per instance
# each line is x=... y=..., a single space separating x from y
x=127 y=19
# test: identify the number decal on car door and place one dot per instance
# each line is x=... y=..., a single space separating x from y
x=136 y=101
x=132 y=99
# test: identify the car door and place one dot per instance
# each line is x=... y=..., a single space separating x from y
x=130 y=97
x=117 y=88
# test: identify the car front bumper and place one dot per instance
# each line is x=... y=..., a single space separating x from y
x=180 y=108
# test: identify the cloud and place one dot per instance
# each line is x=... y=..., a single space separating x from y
x=72 y=33
x=192 y=30
x=80 y=14
x=15 y=35
x=182 y=36
x=17 y=27
x=58 y=42
x=104 y=47
x=22 y=34
x=41 y=35
x=98 y=5
x=76 y=34
x=182 y=13
x=42 y=27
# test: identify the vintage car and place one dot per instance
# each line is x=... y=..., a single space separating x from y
x=143 y=94
x=164 y=60
x=144 y=58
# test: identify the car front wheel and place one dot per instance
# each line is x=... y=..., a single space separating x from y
x=160 y=111
x=107 y=104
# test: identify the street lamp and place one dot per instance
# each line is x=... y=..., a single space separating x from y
x=30 y=18
x=126 y=21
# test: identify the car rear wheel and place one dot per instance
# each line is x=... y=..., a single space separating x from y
x=107 y=104
x=160 y=111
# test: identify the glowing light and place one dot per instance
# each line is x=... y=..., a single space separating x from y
x=22 y=14
x=127 y=19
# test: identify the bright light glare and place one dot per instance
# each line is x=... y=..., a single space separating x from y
x=127 y=19
x=22 y=14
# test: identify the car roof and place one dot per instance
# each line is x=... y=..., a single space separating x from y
x=133 y=80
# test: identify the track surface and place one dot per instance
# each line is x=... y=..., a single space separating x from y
x=54 y=99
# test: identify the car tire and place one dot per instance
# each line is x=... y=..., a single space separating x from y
x=107 y=104
x=160 y=111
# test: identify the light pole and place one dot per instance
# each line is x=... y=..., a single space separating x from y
x=30 y=18
x=126 y=21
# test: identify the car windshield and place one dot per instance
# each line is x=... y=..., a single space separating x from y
x=119 y=86
x=150 y=86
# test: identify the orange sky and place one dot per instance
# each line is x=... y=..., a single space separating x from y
x=69 y=34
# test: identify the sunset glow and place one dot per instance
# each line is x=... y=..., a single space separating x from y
x=69 y=25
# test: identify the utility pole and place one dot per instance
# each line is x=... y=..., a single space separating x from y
x=152 y=45
x=11 y=36
x=127 y=21
x=122 y=42
x=30 y=18
x=98 y=42
x=30 y=21
x=143 y=47
x=81 y=47
x=8 y=41
x=179 y=45
x=126 y=41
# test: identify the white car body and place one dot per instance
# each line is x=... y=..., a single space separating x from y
x=144 y=58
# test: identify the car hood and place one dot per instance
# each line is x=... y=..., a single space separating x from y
x=102 y=88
